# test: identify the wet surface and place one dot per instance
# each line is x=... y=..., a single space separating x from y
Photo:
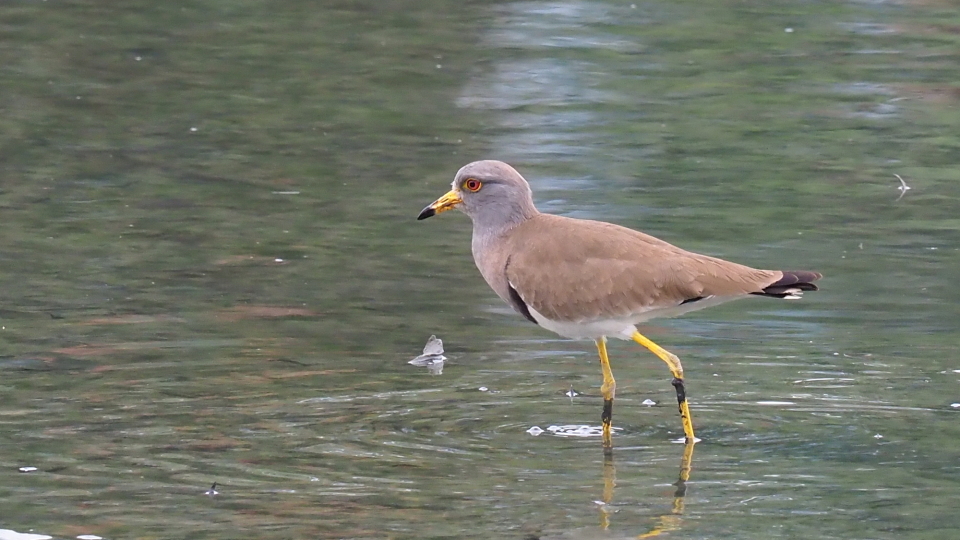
x=212 y=270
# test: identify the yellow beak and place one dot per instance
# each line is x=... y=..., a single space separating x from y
x=450 y=200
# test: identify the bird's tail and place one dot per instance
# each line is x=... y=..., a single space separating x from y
x=792 y=284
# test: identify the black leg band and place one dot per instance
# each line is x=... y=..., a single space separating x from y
x=681 y=393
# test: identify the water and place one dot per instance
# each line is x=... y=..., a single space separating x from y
x=212 y=270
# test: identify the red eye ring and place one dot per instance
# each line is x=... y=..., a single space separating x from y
x=472 y=185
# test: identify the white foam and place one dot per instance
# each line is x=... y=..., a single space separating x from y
x=7 y=534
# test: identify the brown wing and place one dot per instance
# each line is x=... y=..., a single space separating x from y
x=574 y=270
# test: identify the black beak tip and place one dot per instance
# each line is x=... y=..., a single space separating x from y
x=426 y=212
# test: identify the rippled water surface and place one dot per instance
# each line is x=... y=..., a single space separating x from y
x=212 y=272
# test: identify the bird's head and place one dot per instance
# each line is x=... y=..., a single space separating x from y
x=492 y=193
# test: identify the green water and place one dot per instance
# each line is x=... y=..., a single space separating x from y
x=212 y=272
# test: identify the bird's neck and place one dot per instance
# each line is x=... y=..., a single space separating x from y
x=487 y=227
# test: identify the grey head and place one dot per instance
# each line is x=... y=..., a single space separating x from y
x=492 y=193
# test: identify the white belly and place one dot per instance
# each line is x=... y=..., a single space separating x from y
x=620 y=328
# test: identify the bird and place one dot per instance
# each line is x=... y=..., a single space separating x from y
x=591 y=279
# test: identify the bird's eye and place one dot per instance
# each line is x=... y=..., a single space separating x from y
x=472 y=184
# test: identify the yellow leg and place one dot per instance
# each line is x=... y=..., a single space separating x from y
x=608 y=389
x=674 y=363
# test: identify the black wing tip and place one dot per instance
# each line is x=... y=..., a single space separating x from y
x=792 y=283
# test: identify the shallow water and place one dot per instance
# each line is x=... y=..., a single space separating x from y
x=212 y=270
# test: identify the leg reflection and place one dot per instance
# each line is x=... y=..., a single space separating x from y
x=665 y=523
x=672 y=521
x=609 y=482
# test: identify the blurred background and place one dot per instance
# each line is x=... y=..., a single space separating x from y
x=212 y=272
